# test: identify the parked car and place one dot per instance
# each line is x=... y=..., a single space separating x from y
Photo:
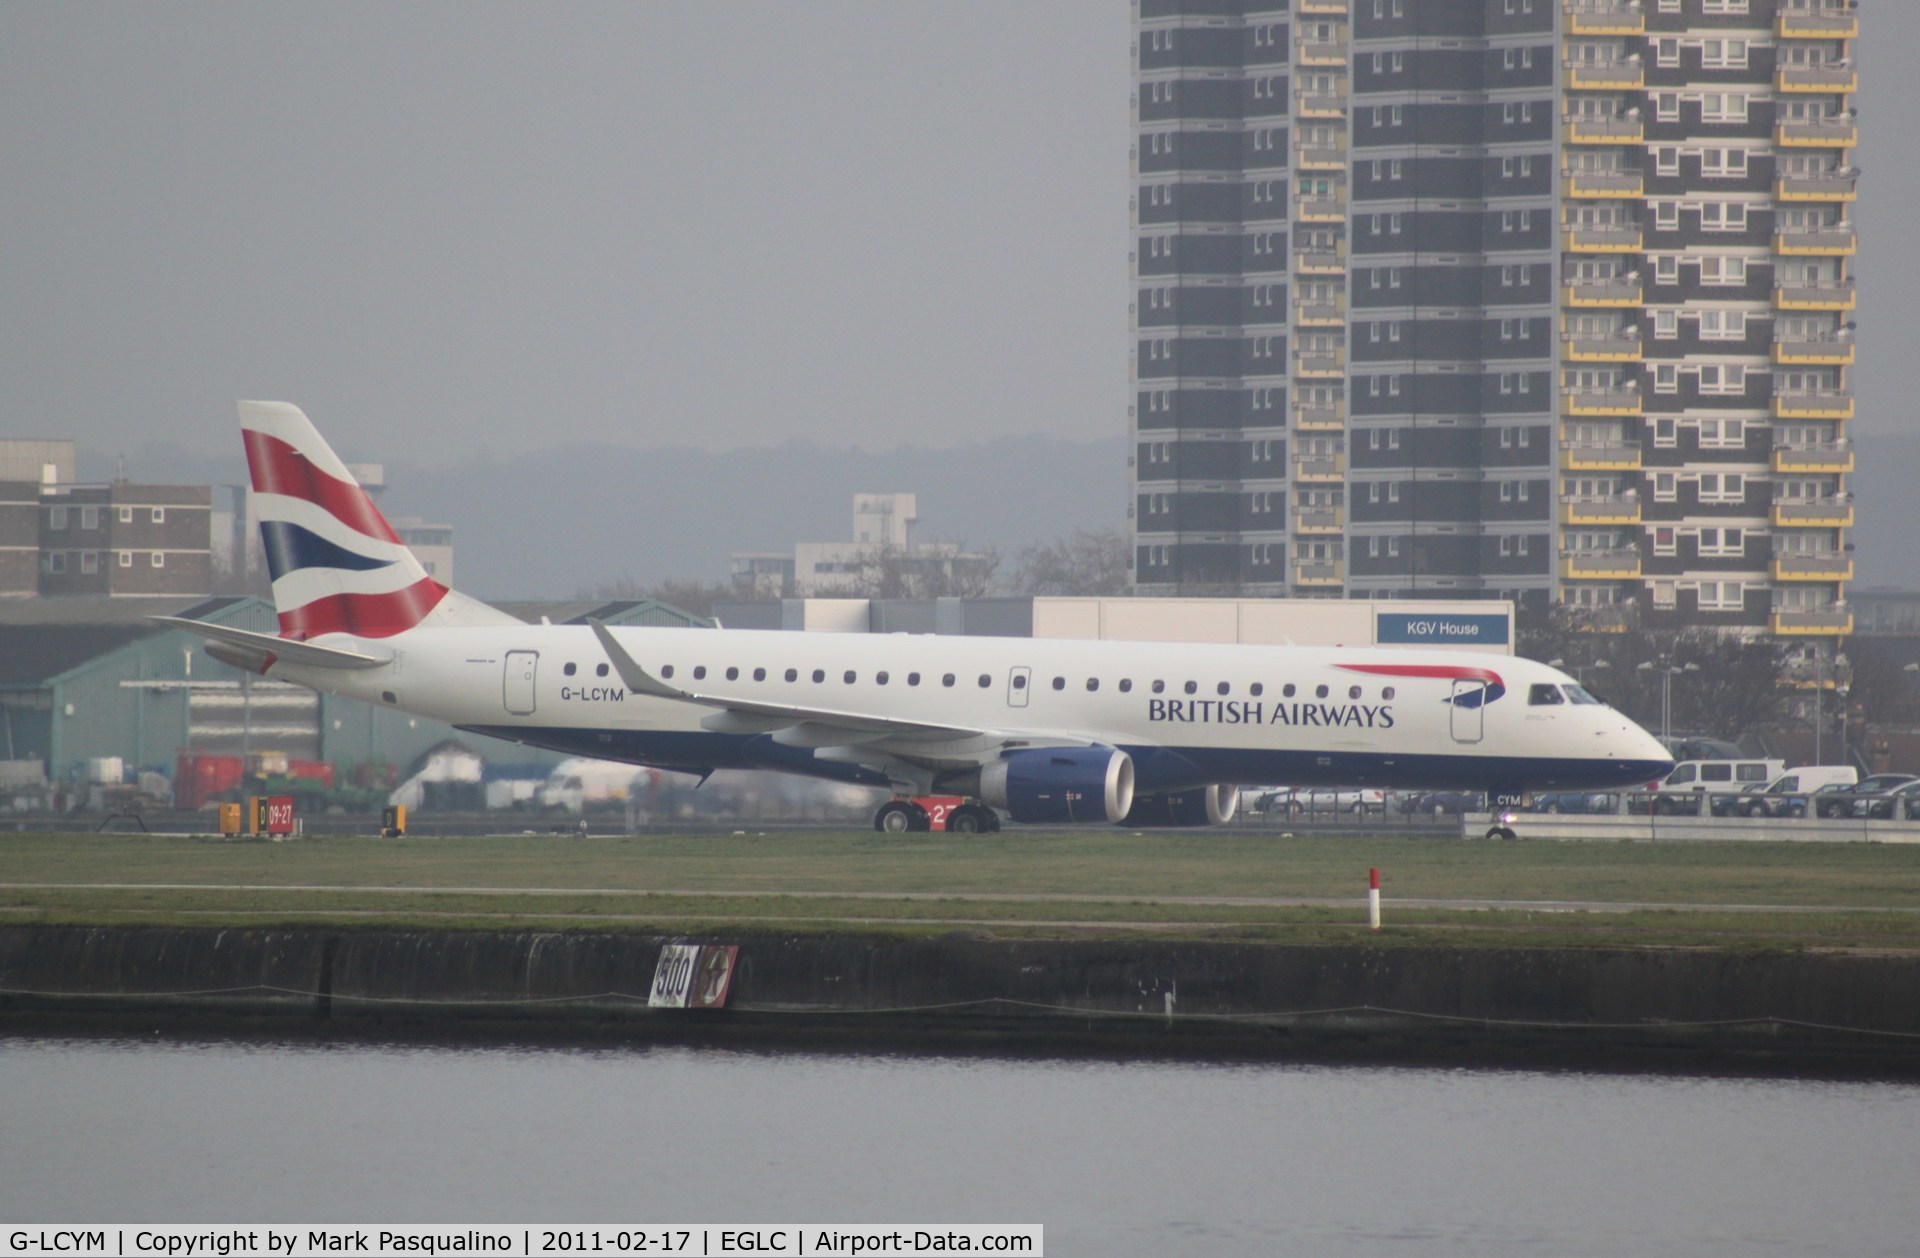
x=1680 y=792
x=1577 y=802
x=1452 y=803
x=1902 y=801
x=1787 y=795
x=1322 y=801
x=1841 y=803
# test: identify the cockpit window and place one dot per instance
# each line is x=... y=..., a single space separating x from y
x=1580 y=694
x=1543 y=694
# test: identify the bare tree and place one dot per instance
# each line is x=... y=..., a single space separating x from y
x=1085 y=562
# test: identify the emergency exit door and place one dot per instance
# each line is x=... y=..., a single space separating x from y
x=521 y=666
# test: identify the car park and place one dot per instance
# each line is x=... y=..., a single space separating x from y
x=1322 y=801
x=1449 y=803
x=1576 y=802
x=1680 y=792
x=1901 y=802
x=1788 y=795
x=1844 y=803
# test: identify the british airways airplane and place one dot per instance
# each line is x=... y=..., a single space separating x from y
x=1048 y=731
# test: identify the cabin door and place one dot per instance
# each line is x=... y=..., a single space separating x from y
x=518 y=691
x=1468 y=711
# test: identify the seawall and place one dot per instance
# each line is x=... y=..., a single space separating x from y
x=1655 y=1008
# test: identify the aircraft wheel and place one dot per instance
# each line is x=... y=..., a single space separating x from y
x=1500 y=832
x=965 y=820
x=894 y=817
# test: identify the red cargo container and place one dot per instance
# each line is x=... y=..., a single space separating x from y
x=198 y=777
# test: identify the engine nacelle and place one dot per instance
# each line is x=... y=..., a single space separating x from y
x=1060 y=784
x=1202 y=806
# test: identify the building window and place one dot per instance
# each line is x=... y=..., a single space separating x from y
x=57 y=517
x=159 y=558
x=126 y=559
x=89 y=561
x=56 y=561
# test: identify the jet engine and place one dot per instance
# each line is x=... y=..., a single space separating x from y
x=1056 y=784
x=1201 y=806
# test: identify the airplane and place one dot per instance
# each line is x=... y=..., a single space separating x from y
x=1044 y=731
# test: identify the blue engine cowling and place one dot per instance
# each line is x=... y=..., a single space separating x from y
x=1060 y=784
x=1201 y=806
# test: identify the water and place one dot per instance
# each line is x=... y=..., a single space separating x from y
x=1114 y=1158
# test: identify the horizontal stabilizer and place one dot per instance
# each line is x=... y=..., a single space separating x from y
x=270 y=647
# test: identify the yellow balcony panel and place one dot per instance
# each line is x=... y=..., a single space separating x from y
x=1319 y=105
x=1792 y=78
x=1321 y=469
x=1319 y=418
x=1812 y=567
x=1320 y=157
x=1604 y=17
x=1602 y=293
x=1601 y=240
x=1319 y=364
x=1319 y=209
x=1320 y=314
x=1602 y=349
x=1600 y=565
x=1621 y=76
x=1597 y=456
x=1816 y=188
x=1603 y=131
x=1605 y=185
x=1323 y=8
x=1825 y=24
x=1318 y=574
x=1825 y=134
x=1802 y=296
x=1802 y=513
x=1819 y=242
x=1832 y=458
x=1814 y=404
x=1319 y=521
x=1324 y=53
x=1810 y=623
x=1600 y=401
x=1320 y=261
x=1609 y=509
x=1832 y=352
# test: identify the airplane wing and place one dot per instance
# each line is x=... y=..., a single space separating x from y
x=258 y=651
x=858 y=737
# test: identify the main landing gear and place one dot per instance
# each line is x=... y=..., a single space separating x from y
x=918 y=815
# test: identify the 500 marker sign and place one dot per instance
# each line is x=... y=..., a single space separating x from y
x=693 y=976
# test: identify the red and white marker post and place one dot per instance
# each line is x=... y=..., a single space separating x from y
x=1373 y=898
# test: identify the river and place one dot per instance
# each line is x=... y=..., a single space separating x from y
x=1114 y=1158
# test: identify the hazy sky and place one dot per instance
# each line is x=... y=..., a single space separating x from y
x=712 y=224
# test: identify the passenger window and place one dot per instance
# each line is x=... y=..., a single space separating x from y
x=1353 y=692
x=793 y=674
x=1286 y=691
x=947 y=680
x=570 y=669
x=1093 y=683
x=1019 y=681
x=1387 y=693
x=599 y=670
x=1059 y=683
x=1750 y=773
x=1224 y=688
x=849 y=678
x=1159 y=687
x=1126 y=685
x=1320 y=692
x=913 y=679
x=759 y=674
x=733 y=674
x=666 y=670
x=1256 y=690
x=1721 y=772
x=699 y=672
x=1541 y=695
x=985 y=680
x=1680 y=776
x=819 y=674
x=880 y=679
x=1193 y=687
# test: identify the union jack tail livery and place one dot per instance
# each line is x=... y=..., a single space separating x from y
x=337 y=565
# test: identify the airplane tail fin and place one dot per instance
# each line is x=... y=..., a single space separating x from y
x=337 y=565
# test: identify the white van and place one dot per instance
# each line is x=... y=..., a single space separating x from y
x=1786 y=795
x=1691 y=778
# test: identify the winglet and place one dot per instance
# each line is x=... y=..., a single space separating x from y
x=638 y=679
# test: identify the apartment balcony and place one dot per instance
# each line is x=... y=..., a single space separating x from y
x=1622 y=347
x=1330 y=418
x=1319 y=105
x=1608 y=185
x=1812 y=351
x=1819 y=24
x=1831 y=566
x=1328 y=312
x=1324 y=8
x=1322 y=53
x=1320 y=468
x=1600 y=565
x=1622 y=239
x=1318 y=574
x=1320 y=261
x=1600 y=509
x=1603 y=131
x=1600 y=456
x=1616 y=76
x=1816 y=513
x=1617 y=401
x=1800 y=295
x=1321 y=520
x=1791 y=78
x=1816 y=242
x=1813 y=404
x=1609 y=293
x=1828 y=133
x=1320 y=157
x=1816 y=188
x=1312 y=209
x=1320 y=363
x=1813 y=458
x=1604 y=17
x=1828 y=622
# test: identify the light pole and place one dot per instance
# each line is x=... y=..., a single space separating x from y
x=1821 y=682
x=1668 y=671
